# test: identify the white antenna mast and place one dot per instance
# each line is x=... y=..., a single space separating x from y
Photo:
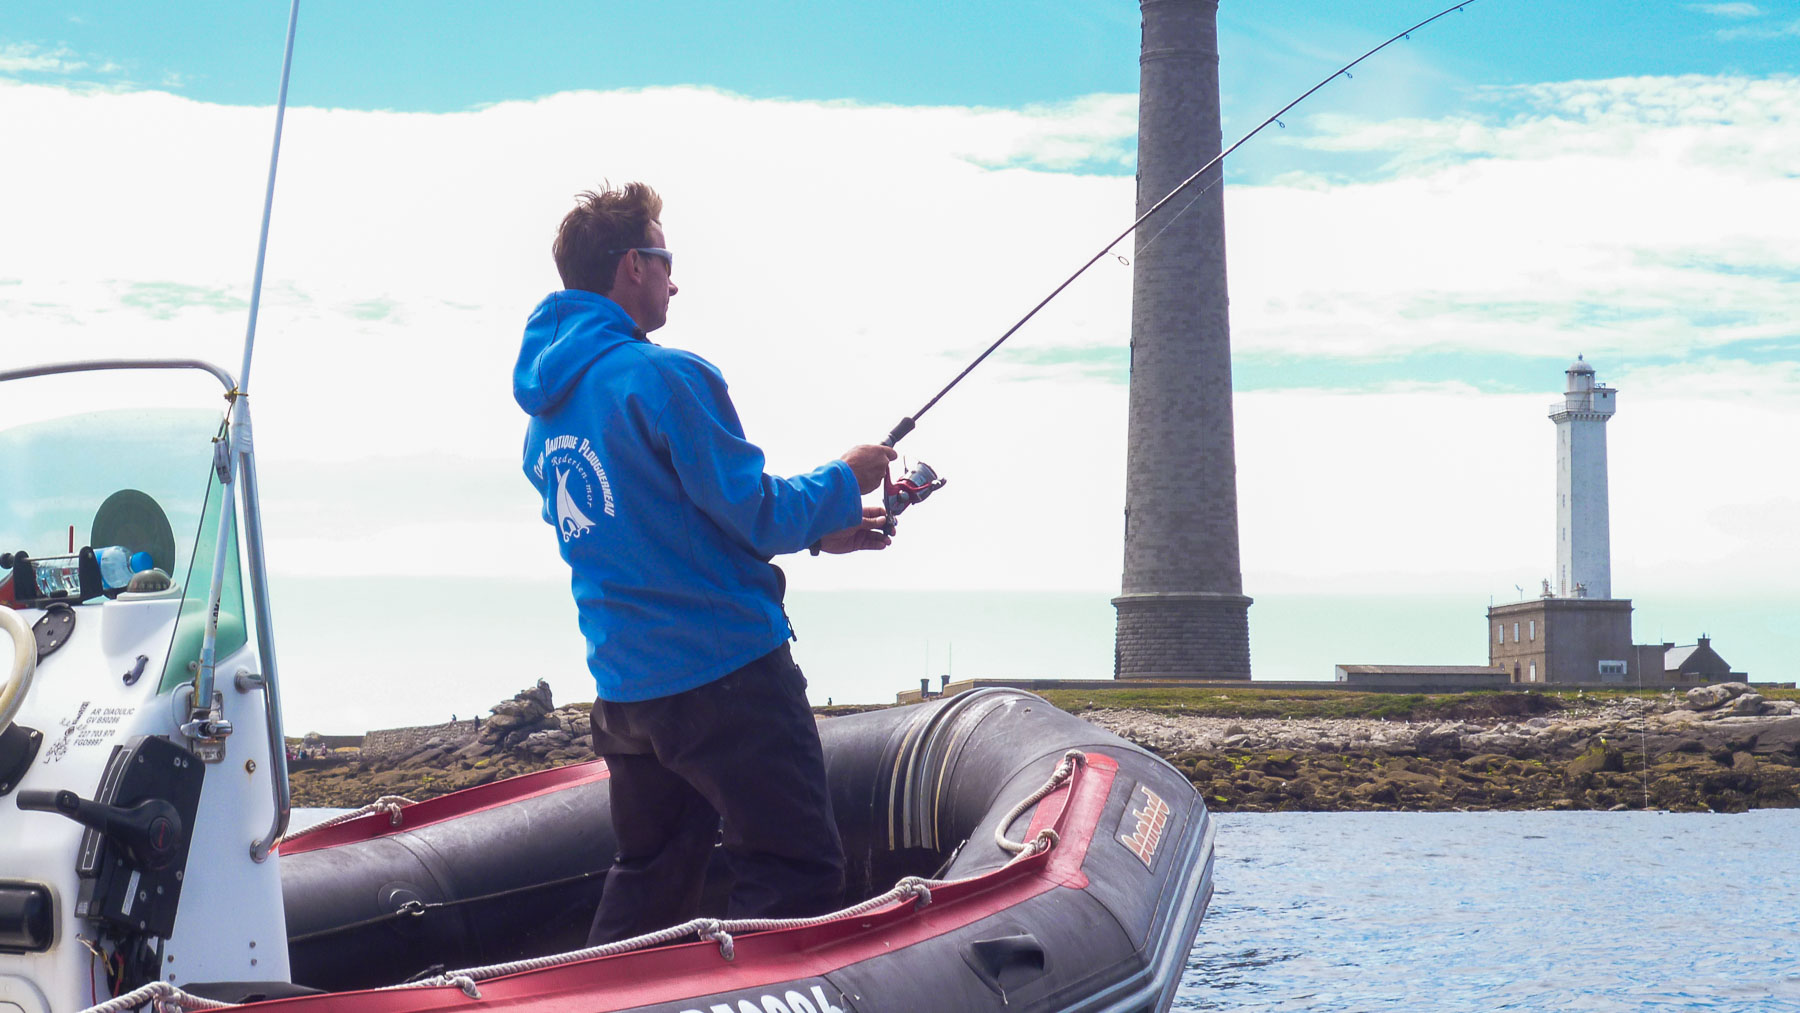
x=262 y=243
x=206 y=724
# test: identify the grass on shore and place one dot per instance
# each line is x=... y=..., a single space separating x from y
x=1310 y=703
x=1338 y=703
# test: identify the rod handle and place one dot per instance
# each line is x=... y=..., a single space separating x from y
x=896 y=434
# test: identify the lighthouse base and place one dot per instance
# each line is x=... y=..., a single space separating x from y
x=1182 y=634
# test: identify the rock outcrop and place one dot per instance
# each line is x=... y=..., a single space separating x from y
x=528 y=732
x=1728 y=750
x=1722 y=748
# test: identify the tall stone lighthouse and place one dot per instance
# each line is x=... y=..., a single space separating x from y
x=1182 y=610
x=1583 y=541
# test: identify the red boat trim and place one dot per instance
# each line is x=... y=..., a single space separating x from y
x=448 y=807
x=676 y=973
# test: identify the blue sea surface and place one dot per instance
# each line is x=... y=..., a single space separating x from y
x=1528 y=911
x=1501 y=911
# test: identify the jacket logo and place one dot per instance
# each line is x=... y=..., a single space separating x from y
x=1146 y=826
x=569 y=518
x=579 y=476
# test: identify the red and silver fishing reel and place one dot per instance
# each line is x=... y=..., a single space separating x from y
x=918 y=484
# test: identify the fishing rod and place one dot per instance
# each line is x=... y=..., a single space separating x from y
x=906 y=424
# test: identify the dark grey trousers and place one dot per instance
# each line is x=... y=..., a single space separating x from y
x=743 y=748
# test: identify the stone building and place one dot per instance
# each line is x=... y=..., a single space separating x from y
x=1181 y=610
x=1551 y=639
x=1420 y=678
x=1697 y=663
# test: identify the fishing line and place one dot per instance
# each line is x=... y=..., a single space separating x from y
x=1177 y=216
x=906 y=425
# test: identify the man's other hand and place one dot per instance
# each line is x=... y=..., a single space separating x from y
x=867 y=535
x=869 y=463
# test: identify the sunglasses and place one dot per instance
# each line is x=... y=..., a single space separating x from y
x=650 y=251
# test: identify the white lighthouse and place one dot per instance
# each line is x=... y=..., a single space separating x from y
x=1583 y=545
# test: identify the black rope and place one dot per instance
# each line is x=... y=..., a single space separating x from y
x=419 y=910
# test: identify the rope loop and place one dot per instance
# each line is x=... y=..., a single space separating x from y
x=918 y=888
x=390 y=804
x=1058 y=777
x=1044 y=841
x=467 y=984
x=713 y=929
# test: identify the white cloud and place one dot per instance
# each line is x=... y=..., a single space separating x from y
x=840 y=263
x=1633 y=216
x=1727 y=10
x=1760 y=33
x=29 y=58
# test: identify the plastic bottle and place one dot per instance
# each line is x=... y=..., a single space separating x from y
x=115 y=566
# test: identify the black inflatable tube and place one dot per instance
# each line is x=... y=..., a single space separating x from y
x=916 y=791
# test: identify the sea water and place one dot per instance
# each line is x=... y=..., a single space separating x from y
x=1501 y=911
x=1421 y=912
x=365 y=653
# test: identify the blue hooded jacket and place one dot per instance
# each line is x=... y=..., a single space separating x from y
x=661 y=506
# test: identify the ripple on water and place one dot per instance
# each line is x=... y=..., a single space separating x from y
x=1500 y=911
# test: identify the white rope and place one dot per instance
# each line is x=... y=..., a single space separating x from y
x=1064 y=770
x=390 y=804
x=165 y=997
x=915 y=888
x=721 y=931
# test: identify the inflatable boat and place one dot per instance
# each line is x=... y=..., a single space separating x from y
x=1003 y=854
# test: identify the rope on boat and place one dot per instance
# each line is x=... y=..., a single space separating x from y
x=390 y=804
x=162 y=997
x=1064 y=770
x=166 y=998
x=721 y=931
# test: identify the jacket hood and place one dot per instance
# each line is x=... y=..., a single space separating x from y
x=566 y=333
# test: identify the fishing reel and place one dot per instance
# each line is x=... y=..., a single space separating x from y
x=918 y=484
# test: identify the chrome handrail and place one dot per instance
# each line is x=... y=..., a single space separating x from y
x=90 y=365
x=265 y=641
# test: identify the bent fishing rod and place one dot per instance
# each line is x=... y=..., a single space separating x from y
x=906 y=424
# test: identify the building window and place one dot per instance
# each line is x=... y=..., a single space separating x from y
x=1533 y=672
x=1612 y=668
x=1515 y=632
x=1534 y=629
x=1499 y=633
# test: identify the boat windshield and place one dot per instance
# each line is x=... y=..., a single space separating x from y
x=138 y=479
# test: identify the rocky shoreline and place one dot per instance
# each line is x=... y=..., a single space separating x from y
x=1721 y=748
x=1718 y=748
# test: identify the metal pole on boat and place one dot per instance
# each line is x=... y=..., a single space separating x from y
x=262 y=244
x=236 y=457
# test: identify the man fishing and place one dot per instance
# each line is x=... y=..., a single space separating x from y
x=668 y=521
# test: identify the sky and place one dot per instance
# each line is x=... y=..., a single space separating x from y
x=864 y=196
